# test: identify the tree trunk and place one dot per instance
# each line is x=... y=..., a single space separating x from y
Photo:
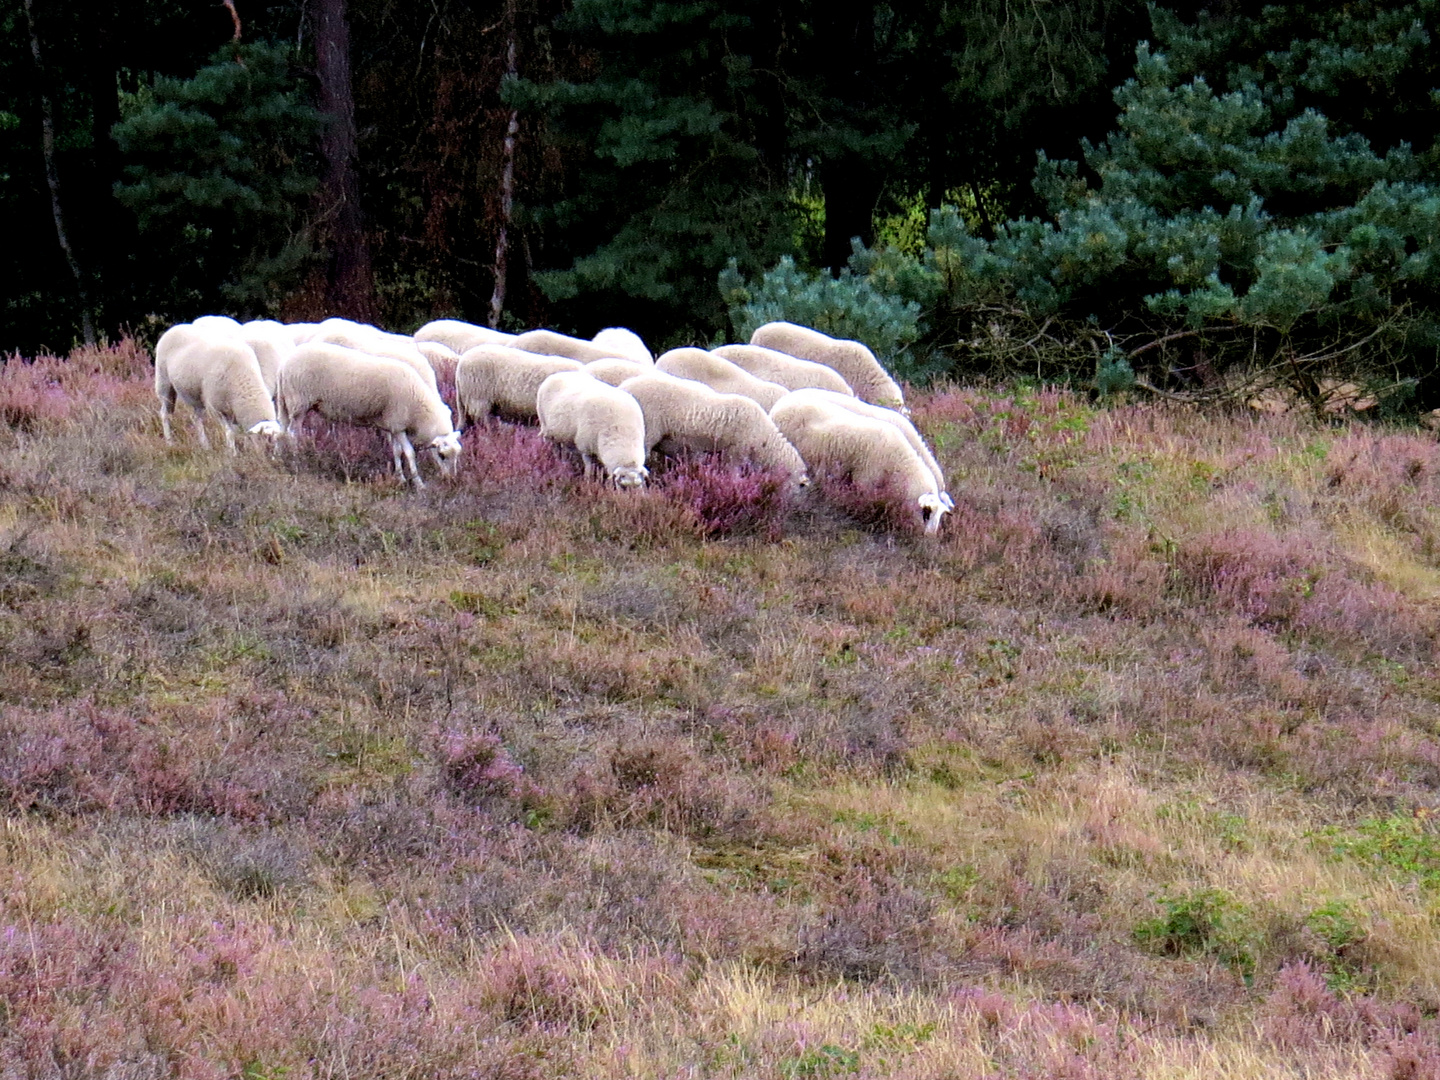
x=851 y=191
x=52 y=179
x=507 y=185
x=349 y=282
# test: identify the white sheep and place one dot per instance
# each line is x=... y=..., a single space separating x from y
x=613 y=370
x=788 y=371
x=625 y=342
x=222 y=324
x=495 y=378
x=856 y=364
x=437 y=352
x=890 y=416
x=598 y=420
x=269 y=339
x=376 y=342
x=462 y=336
x=687 y=415
x=373 y=391
x=301 y=332
x=720 y=374
x=213 y=372
x=870 y=452
x=549 y=343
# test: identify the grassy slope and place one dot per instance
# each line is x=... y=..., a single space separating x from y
x=1129 y=773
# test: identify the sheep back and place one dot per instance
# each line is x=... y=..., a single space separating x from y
x=613 y=371
x=626 y=343
x=856 y=363
x=720 y=374
x=783 y=369
x=549 y=343
x=462 y=336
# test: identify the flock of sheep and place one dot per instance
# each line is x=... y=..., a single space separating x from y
x=793 y=399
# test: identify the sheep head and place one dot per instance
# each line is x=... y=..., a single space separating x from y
x=932 y=509
x=628 y=476
x=268 y=428
x=446 y=449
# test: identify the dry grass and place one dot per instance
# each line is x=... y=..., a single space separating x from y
x=1131 y=772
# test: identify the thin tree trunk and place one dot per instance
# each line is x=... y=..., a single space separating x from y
x=52 y=178
x=507 y=186
x=350 y=284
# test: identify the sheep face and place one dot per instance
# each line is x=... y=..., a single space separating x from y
x=627 y=476
x=931 y=512
x=446 y=449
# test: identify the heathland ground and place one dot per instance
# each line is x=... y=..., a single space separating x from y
x=1131 y=772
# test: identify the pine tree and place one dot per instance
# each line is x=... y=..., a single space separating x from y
x=219 y=169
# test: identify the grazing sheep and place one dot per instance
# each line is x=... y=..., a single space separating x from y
x=720 y=374
x=212 y=372
x=625 y=342
x=301 y=332
x=871 y=452
x=687 y=415
x=372 y=391
x=376 y=342
x=222 y=324
x=788 y=371
x=613 y=371
x=890 y=416
x=494 y=378
x=437 y=352
x=599 y=421
x=549 y=343
x=855 y=363
x=462 y=336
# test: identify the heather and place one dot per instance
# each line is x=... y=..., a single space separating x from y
x=1131 y=771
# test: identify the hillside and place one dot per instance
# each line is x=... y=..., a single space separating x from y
x=1130 y=772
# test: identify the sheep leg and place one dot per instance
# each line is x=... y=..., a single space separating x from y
x=395 y=455
x=229 y=437
x=166 y=407
x=408 y=448
x=200 y=428
x=590 y=466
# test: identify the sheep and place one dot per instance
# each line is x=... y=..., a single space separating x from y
x=686 y=415
x=212 y=372
x=625 y=342
x=437 y=352
x=492 y=378
x=462 y=336
x=878 y=412
x=216 y=324
x=871 y=452
x=599 y=421
x=549 y=343
x=270 y=340
x=301 y=332
x=372 y=391
x=720 y=374
x=613 y=371
x=789 y=371
x=376 y=342
x=855 y=363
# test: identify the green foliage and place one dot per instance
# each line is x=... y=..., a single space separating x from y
x=218 y=170
x=672 y=184
x=1400 y=844
x=846 y=307
x=1209 y=922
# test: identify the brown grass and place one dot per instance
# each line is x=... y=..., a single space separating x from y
x=1131 y=772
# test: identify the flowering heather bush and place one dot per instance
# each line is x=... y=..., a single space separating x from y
x=881 y=507
x=478 y=769
x=52 y=388
x=727 y=498
x=498 y=456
